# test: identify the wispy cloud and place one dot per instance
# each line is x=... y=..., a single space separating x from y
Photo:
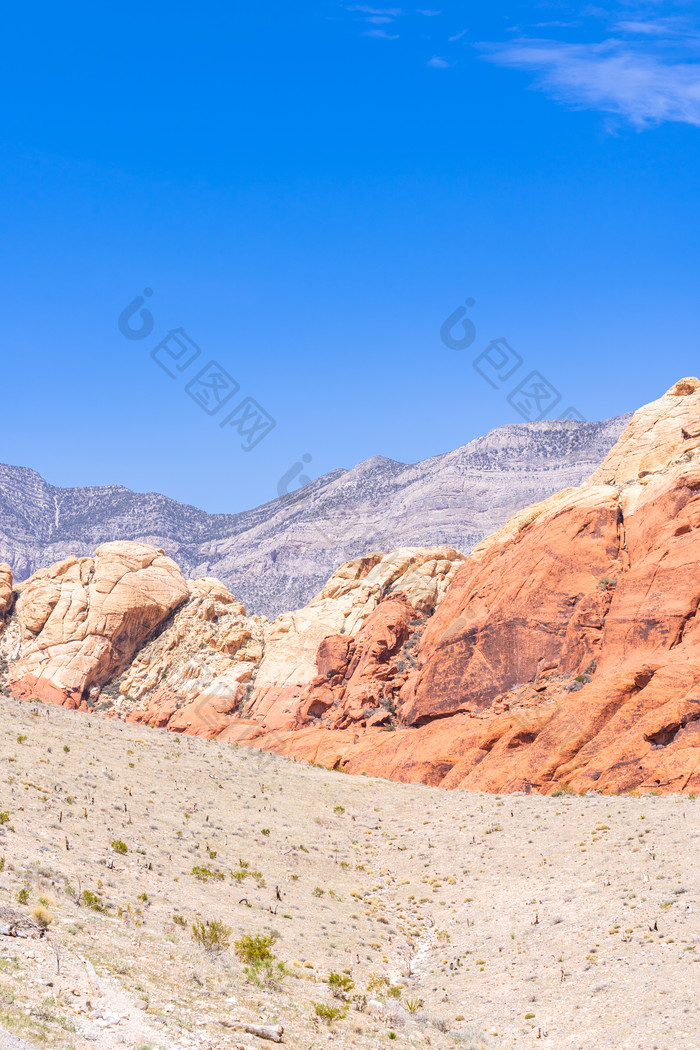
x=458 y=36
x=381 y=34
x=438 y=63
x=647 y=72
x=392 y=12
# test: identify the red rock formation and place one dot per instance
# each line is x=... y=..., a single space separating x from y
x=567 y=649
x=564 y=651
x=359 y=678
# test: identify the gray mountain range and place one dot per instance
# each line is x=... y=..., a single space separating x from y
x=276 y=557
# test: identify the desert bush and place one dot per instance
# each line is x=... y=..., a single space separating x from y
x=204 y=874
x=214 y=935
x=119 y=847
x=381 y=986
x=252 y=950
x=266 y=974
x=42 y=916
x=329 y=1013
x=340 y=985
x=93 y=900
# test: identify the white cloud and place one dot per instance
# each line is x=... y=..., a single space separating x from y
x=392 y=12
x=380 y=34
x=438 y=63
x=646 y=85
x=458 y=36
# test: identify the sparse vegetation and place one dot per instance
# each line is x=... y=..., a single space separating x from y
x=93 y=901
x=204 y=874
x=257 y=949
x=213 y=935
x=329 y=1013
x=340 y=985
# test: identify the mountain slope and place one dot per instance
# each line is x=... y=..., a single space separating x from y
x=277 y=556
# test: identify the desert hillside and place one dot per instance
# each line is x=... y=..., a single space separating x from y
x=451 y=919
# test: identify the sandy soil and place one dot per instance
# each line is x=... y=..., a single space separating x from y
x=464 y=920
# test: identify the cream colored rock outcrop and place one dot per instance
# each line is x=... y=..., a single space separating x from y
x=213 y=661
x=5 y=589
x=83 y=618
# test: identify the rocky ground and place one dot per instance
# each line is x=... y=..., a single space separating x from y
x=459 y=919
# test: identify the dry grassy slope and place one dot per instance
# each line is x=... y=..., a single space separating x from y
x=575 y=917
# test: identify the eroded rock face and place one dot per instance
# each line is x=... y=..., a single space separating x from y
x=210 y=640
x=567 y=649
x=5 y=589
x=233 y=672
x=359 y=678
x=81 y=620
x=564 y=651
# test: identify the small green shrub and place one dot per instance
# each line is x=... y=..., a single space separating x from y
x=266 y=974
x=329 y=1013
x=23 y=895
x=93 y=901
x=253 y=950
x=179 y=920
x=204 y=874
x=213 y=936
x=4 y=817
x=119 y=847
x=340 y=985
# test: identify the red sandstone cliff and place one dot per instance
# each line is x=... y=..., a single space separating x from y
x=564 y=651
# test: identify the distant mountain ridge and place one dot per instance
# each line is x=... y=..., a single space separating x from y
x=276 y=556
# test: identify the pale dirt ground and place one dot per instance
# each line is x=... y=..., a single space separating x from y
x=518 y=920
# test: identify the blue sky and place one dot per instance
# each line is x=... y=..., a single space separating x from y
x=310 y=191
